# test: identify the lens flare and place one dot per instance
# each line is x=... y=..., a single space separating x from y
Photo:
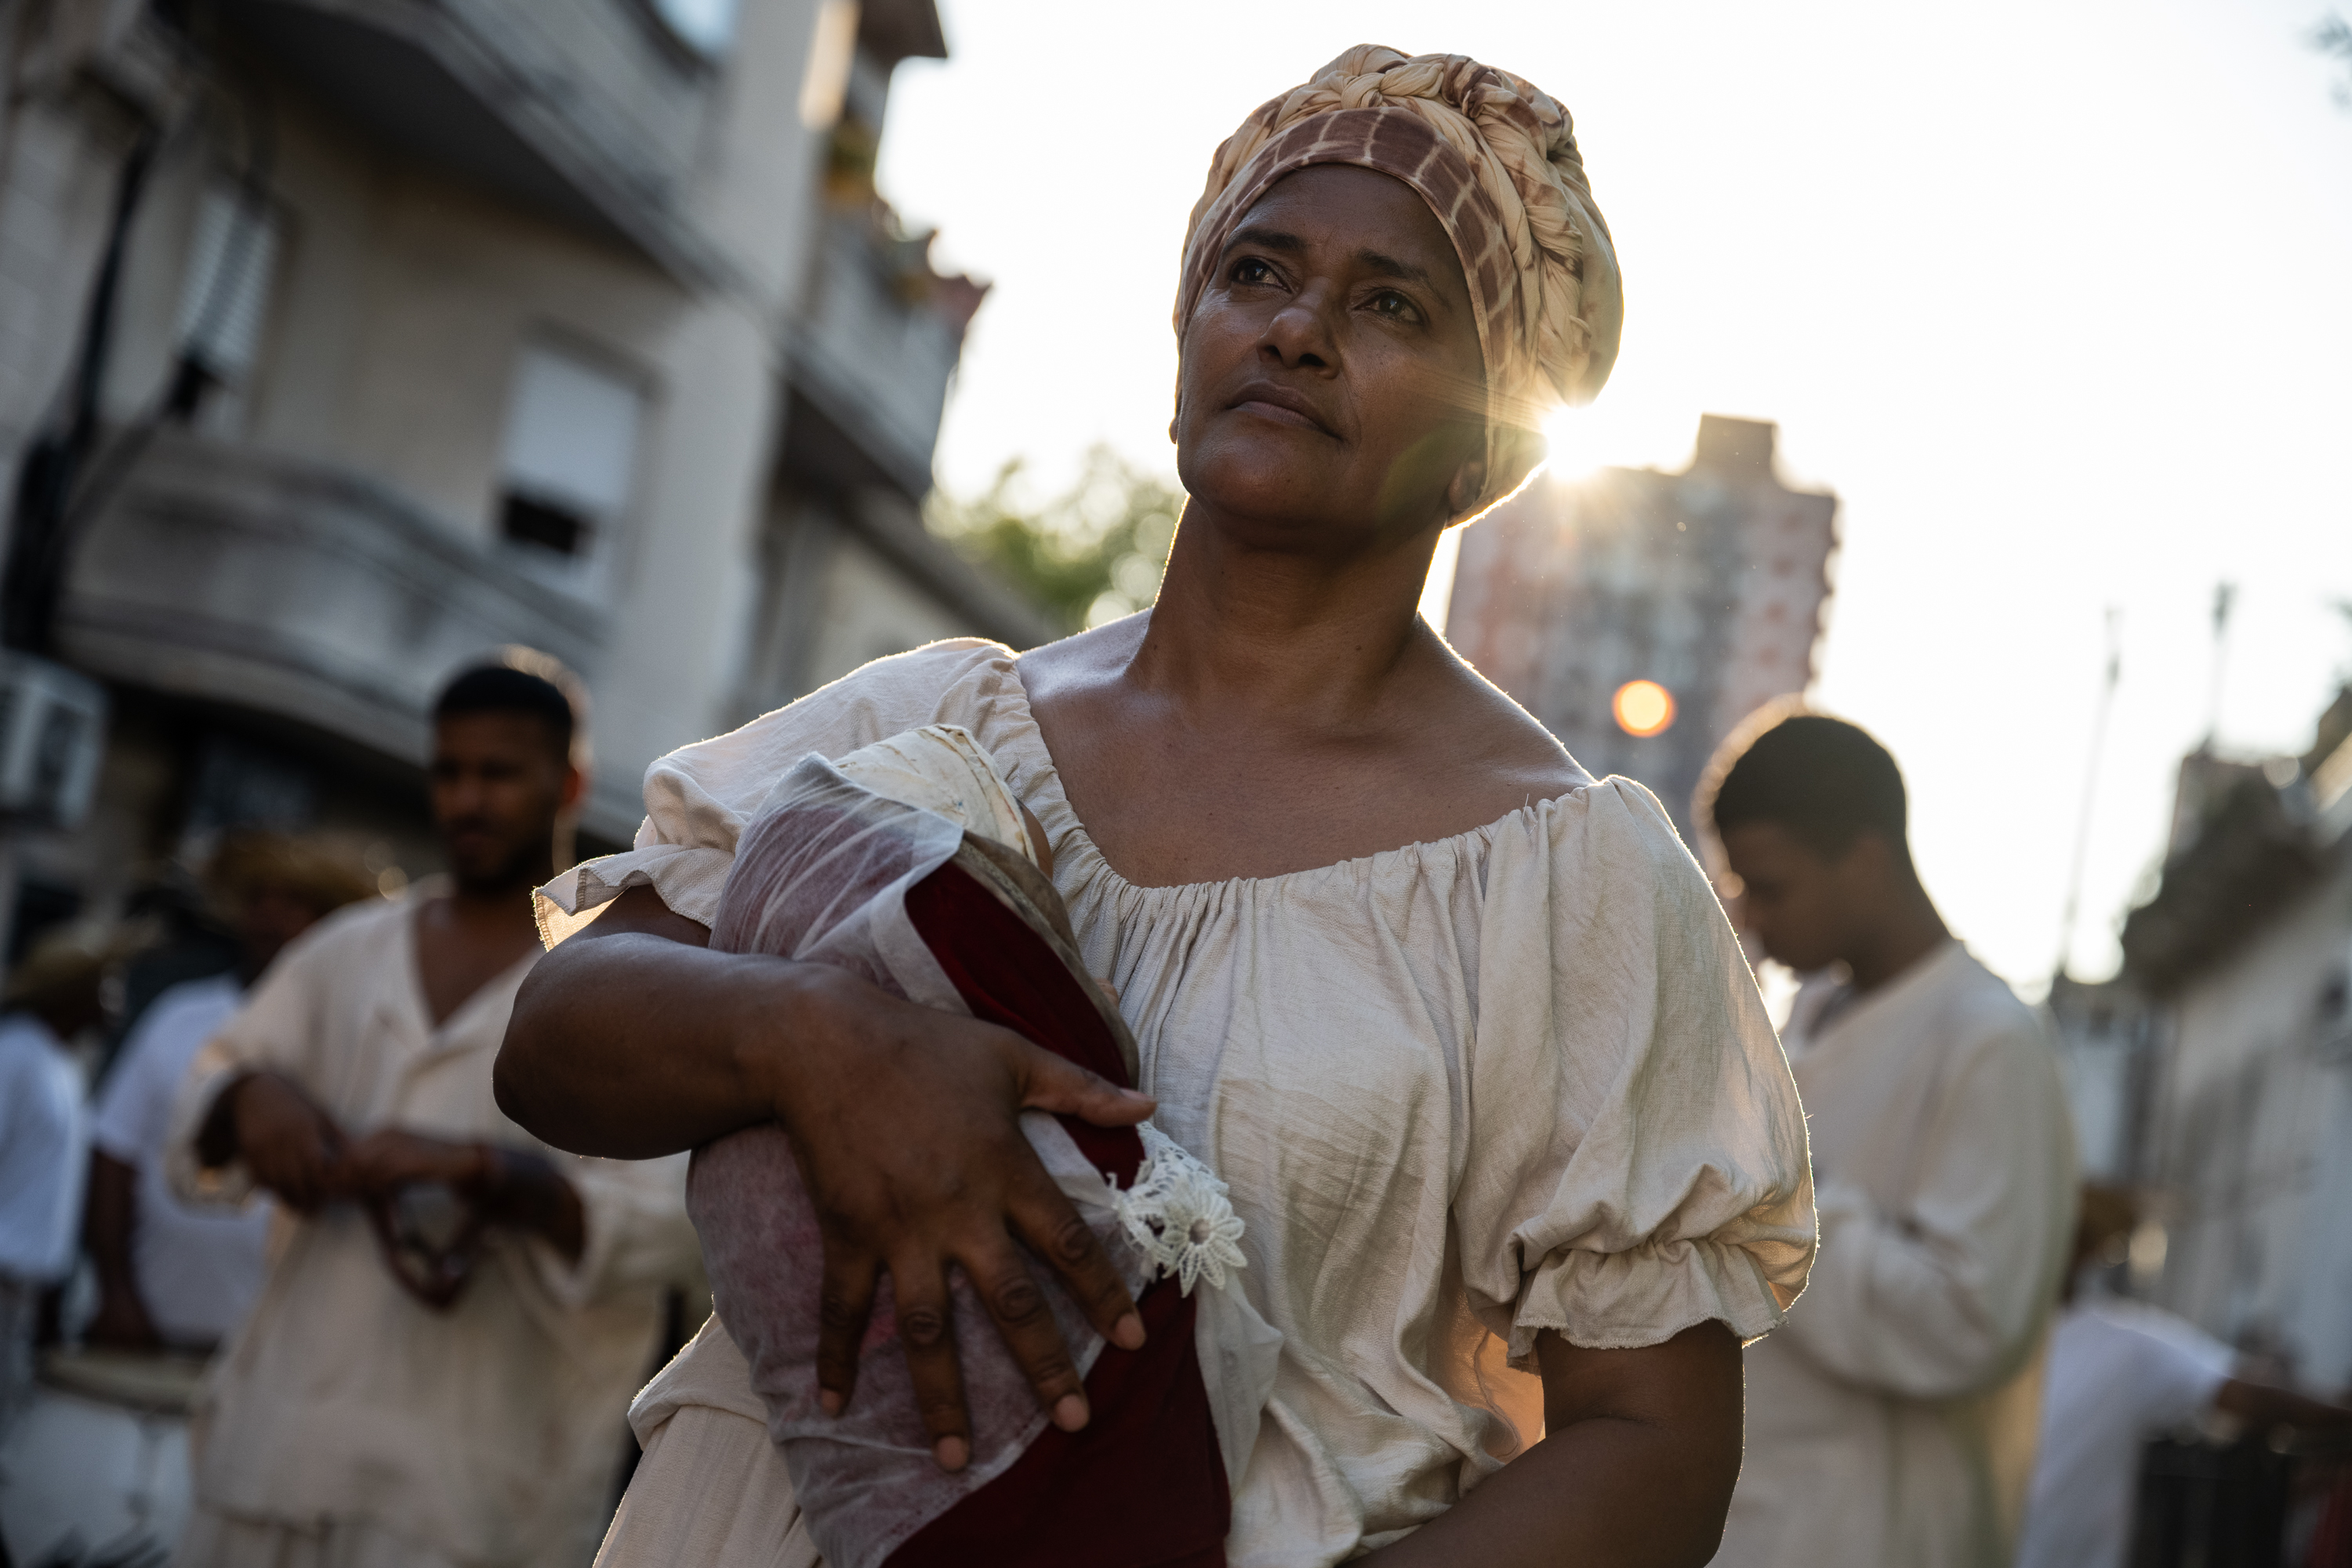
x=1574 y=442
x=1643 y=707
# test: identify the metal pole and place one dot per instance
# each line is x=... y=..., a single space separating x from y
x=2225 y=596
x=2090 y=793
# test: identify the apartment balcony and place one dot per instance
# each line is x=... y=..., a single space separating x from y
x=297 y=590
x=592 y=111
x=877 y=345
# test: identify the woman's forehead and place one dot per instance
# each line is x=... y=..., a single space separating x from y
x=1359 y=210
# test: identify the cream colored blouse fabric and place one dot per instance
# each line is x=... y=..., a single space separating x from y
x=1462 y=1091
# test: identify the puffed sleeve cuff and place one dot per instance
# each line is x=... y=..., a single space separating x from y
x=688 y=877
x=211 y=1186
x=1623 y=1300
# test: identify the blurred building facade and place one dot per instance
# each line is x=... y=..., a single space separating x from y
x=2230 y=1097
x=1711 y=583
x=370 y=335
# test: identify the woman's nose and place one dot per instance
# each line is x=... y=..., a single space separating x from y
x=1301 y=332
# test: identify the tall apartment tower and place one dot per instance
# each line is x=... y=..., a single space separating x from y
x=1709 y=584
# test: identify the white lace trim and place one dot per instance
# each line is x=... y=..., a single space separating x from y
x=1178 y=1214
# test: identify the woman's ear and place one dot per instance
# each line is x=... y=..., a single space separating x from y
x=1468 y=481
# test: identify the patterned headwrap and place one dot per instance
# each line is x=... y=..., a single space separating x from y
x=1496 y=162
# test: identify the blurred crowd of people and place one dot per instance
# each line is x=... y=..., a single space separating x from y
x=424 y=1327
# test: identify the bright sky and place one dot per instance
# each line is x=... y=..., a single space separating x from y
x=2057 y=298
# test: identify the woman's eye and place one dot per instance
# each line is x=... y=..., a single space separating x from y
x=1393 y=305
x=1250 y=269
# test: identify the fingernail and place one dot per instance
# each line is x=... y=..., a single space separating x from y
x=952 y=1453
x=1127 y=1333
x=829 y=1401
x=1070 y=1411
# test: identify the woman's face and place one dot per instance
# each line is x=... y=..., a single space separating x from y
x=1331 y=388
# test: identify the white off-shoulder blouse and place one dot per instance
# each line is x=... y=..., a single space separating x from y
x=1462 y=1091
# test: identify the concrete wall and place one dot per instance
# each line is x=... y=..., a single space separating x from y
x=2254 y=1130
x=872 y=612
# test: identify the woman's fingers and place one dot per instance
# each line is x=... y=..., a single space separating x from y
x=1026 y=1319
x=1041 y=1216
x=845 y=1305
x=927 y=1333
x=1048 y=1083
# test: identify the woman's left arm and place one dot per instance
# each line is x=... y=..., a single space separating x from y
x=1636 y=1470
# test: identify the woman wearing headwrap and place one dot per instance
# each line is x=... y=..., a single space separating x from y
x=1517 y=1162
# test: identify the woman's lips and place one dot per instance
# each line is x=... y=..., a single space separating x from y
x=1278 y=413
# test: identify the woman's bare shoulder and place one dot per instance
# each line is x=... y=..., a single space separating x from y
x=1468 y=718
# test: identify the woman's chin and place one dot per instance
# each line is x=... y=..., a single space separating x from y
x=1265 y=484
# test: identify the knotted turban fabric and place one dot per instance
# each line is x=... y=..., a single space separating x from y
x=1496 y=159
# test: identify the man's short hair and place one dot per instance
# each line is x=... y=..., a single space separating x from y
x=526 y=683
x=1824 y=780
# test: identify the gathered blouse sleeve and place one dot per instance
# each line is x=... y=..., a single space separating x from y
x=1636 y=1158
x=700 y=798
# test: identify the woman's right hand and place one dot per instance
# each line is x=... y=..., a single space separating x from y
x=905 y=1124
x=633 y=1039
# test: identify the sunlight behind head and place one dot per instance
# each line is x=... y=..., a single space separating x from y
x=1788 y=267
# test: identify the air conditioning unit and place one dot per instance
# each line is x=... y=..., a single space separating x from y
x=52 y=736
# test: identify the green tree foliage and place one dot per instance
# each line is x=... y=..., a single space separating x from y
x=1086 y=556
x=2334 y=37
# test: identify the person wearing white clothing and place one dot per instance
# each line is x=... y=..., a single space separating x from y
x=44 y=1143
x=1518 y=1163
x=2120 y=1373
x=1891 y=1423
x=192 y=1271
x=439 y=1363
x=171 y=1274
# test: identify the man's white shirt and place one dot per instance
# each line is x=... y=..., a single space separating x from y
x=1890 y=1422
x=2120 y=1373
x=43 y=1151
x=198 y=1268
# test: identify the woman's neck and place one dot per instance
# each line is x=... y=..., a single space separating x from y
x=1271 y=633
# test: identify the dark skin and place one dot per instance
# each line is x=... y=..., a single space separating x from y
x=268 y=918
x=1328 y=431
x=500 y=785
x=1810 y=906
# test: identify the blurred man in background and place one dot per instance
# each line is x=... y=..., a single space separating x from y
x=439 y=1366
x=1890 y=1422
x=2122 y=1372
x=53 y=995
x=171 y=1275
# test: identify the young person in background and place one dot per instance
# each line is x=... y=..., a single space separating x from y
x=1891 y=1423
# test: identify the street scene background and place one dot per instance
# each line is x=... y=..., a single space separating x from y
x=1986 y=380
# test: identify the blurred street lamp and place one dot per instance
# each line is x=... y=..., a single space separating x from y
x=1643 y=707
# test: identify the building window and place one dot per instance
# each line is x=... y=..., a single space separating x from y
x=571 y=453
x=224 y=295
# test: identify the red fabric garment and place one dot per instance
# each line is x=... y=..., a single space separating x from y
x=832 y=873
x=2331 y=1543
x=1143 y=1485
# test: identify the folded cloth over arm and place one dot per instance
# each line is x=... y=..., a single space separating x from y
x=906 y=864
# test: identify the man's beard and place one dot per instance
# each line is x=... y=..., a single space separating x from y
x=518 y=867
